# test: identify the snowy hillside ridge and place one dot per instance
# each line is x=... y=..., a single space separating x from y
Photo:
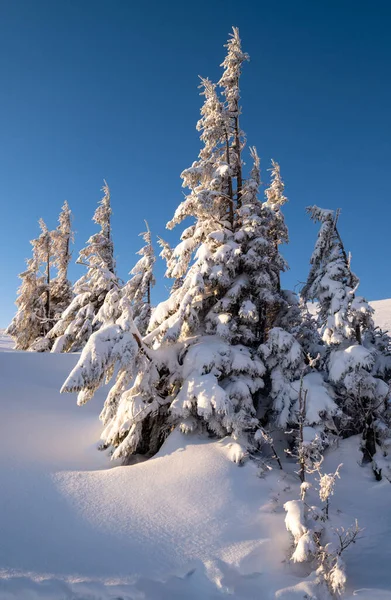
x=382 y=314
x=185 y=524
x=243 y=428
x=229 y=352
x=6 y=342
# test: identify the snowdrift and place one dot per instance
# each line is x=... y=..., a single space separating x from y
x=186 y=524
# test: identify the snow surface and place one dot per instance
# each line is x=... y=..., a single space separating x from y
x=6 y=343
x=382 y=316
x=186 y=524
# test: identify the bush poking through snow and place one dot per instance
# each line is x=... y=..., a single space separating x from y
x=310 y=533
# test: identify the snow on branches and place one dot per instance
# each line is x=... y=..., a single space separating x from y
x=229 y=351
x=77 y=322
x=352 y=357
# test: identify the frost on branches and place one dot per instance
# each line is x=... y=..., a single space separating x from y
x=26 y=326
x=136 y=293
x=342 y=316
x=39 y=294
x=62 y=237
x=228 y=350
x=192 y=368
x=77 y=323
x=138 y=288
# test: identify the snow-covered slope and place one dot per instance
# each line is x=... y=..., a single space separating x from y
x=382 y=314
x=6 y=343
x=186 y=524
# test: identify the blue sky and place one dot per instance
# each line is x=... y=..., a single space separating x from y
x=97 y=89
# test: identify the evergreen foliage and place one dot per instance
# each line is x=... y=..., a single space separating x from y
x=77 y=322
x=198 y=365
x=62 y=237
x=229 y=352
x=356 y=356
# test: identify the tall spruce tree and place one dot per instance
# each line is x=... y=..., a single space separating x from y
x=137 y=291
x=77 y=322
x=26 y=326
x=61 y=287
x=139 y=287
x=198 y=365
x=43 y=248
x=35 y=311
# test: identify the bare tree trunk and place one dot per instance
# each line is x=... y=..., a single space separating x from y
x=239 y=165
x=357 y=330
x=230 y=191
x=47 y=308
x=302 y=410
x=68 y=256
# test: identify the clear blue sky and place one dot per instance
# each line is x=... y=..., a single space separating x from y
x=94 y=89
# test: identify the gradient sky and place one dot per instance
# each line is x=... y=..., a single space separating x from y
x=94 y=89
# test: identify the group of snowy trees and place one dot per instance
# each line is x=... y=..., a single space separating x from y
x=229 y=352
x=54 y=315
x=41 y=297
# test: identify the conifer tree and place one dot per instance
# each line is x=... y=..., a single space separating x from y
x=277 y=233
x=26 y=326
x=192 y=367
x=198 y=366
x=352 y=358
x=77 y=322
x=137 y=291
x=43 y=248
x=230 y=86
x=61 y=288
x=138 y=288
x=342 y=316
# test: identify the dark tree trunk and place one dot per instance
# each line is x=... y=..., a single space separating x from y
x=302 y=409
x=47 y=306
x=239 y=165
x=369 y=446
x=230 y=191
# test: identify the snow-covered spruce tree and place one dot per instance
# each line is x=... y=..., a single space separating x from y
x=252 y=290
x=199 y=365
x=137 y=291
x=342 y=316
x=267 y=315
x=39 y=281
x=78 y=322
x=43 y=249
x=277 y=233
x=138 y=288
x=61 y=287
x=26 y=326
x=353 y=359
x=230 y=89
x=189 y=368
x=167 y=255
x=53 y=252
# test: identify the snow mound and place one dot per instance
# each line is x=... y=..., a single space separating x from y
x=382 y=316
x=6 y=342
x=185 y=524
